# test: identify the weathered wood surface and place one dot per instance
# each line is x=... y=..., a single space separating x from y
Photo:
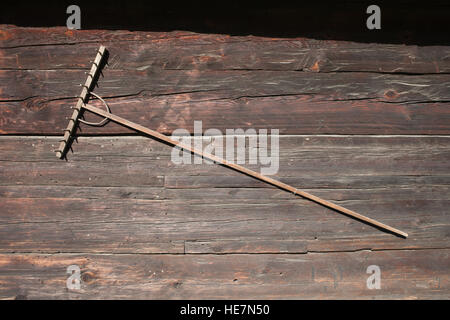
x=405 y=275
x=167 y=80
x=403 y=22
x=53 y=49
x=123 y=194
x=140 y=226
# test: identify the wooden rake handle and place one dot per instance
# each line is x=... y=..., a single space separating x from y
x=242 y=169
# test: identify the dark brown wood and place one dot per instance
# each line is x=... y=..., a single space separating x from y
x=290 y=115
x=53 y=49
x=281 y=185
x=230 y=84
x=137 y=200
x=118 y=206
x=299 y=86
x=424 y=275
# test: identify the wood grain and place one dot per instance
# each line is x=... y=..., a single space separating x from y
x=404 y=275
x=364 y=125
x=53 y=49
x=199 y=152
x=167 y=81
x=147 y=204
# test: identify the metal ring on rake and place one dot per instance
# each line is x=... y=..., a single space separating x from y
x=104 y=121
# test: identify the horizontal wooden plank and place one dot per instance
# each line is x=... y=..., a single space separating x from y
x=151 y=205
x=14 y=36
x=418 y=192
x=292 y=116
x=223 y=226
x=299 y=156
x=305 y=161
x=229 y=84
x=403 y=22
x=59 y=48
x=410 y=274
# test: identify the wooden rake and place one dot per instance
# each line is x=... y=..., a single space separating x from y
x=82 y=105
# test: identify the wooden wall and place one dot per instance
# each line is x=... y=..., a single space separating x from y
x=364 y=125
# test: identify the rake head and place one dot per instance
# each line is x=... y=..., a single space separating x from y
x=92 y=77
